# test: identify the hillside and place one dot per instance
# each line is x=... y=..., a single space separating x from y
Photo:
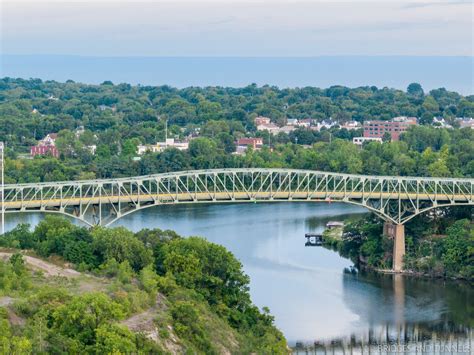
x=166 y=298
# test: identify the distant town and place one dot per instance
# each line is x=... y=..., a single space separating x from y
x=371 y=130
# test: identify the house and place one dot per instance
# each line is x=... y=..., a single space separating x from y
x=440 y=122
x=362 y=140
x=286 y=129
x=377 y=128
x=292 y=122
x=50 y=139
x=105 y=107
x=79 y=131
x=327 y=124
x=351 y=125
x=256 y=143
x=260 y=120
x=334 y=224
x=161 y=146
x=92 y=148
x=466 y=122
x=243 y=143
x=404 y=119
x=305 y=123
x=270 y=127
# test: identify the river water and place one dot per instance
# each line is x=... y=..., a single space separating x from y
x=315 y=298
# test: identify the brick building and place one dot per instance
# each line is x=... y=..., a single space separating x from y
x=44 y=150
x=243 y=143
x=46 y=146
x=377 y=129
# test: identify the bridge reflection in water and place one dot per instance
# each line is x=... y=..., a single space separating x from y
x=410 y=324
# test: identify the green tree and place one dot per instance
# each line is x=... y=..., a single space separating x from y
x=120 y=244
x=81 y=318
x=458 y=256
x=415 y=89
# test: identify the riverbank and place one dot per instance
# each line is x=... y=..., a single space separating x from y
x=368 y=248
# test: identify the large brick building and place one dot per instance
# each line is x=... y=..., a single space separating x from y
x=44 y=150
x=377 y=129
x=46 y=146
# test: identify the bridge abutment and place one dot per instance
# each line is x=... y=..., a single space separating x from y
x=397 y=233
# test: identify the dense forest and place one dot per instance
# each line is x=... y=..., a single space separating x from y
x=118 y=117
x=187 y=295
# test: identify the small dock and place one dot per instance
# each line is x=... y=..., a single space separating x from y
x=313 y=240
x=334 y=224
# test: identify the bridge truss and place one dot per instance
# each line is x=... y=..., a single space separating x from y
x=102 y=202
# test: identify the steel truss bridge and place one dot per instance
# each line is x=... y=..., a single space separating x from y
x=102 y=202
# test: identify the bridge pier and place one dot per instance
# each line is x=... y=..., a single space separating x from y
x=397 y=233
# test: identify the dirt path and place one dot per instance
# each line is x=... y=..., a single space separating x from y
x=144 y=321
x=48 y=268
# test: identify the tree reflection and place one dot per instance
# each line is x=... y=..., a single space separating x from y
x=402 y=314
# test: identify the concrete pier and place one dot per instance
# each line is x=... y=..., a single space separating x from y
x=397 y=233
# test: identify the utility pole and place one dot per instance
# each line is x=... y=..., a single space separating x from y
x=2 y=167
x=166 y=133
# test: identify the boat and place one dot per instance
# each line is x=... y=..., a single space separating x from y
x=313 y=240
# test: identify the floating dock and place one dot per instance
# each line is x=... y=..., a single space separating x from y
x=313 y=240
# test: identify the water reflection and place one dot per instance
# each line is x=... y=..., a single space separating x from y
x=399 y=314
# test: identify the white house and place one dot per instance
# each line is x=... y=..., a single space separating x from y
x=362 y=140
x=160 y=146
x=270 y=127
x=351 y=125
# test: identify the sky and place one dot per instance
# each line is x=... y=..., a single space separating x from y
x=237 y=28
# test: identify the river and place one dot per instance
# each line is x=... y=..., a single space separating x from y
x=313 y=296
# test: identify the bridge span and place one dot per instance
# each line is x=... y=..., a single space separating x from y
x=102 y=202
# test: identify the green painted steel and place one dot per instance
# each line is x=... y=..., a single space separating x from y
x=101 y=202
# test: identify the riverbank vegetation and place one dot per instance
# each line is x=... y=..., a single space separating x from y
x=146 y=292
x=438 y=244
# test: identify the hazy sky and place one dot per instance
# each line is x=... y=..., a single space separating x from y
x=237 y=28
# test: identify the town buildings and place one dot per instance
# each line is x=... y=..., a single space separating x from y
x=270 y=127
x=466 y=122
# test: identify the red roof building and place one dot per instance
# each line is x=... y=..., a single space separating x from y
x=256 y=143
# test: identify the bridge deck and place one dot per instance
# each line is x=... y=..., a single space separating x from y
x=228 y=196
